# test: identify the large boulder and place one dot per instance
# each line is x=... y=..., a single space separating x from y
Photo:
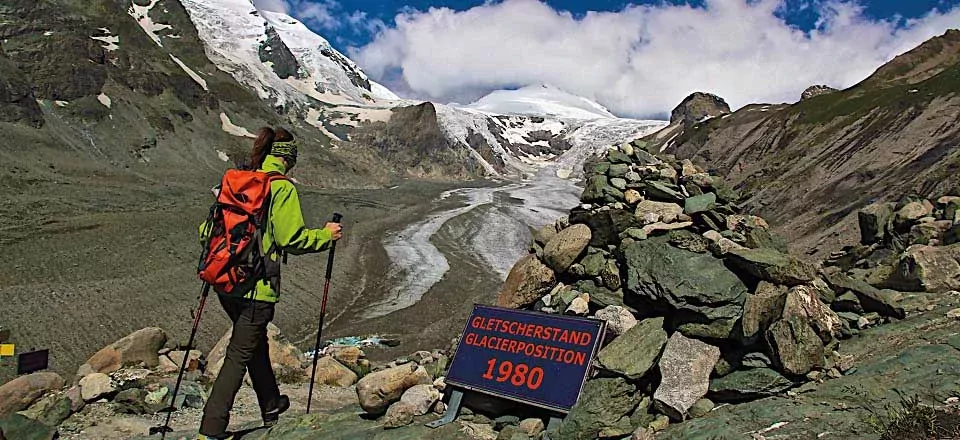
x=599 y=190
x=762 y=308
x=563 y=249
x=282 y=352
x=378 y=390
x=618 y=319
x=605 y=226
x=399 y=414
x=331 y=372
x=636 y=351
x=138 y=347
x=92 y=386
x=698 y=285
x=803 y=302
x=19 y=393
x=421 y=398
x=528 y=281
x=749 y=384
x=772 y=265
x=649 y=211
x=912 y=212
x=795 y=346
x=884 y=302
x=701 y=203
x=603 y=410
x=928 y=269
x=685 y=368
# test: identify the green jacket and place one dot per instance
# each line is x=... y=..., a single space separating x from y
x=285 y=227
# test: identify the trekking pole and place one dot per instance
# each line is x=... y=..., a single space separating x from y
x=323 y=311
x=163 y=430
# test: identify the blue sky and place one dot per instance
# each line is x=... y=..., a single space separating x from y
x=639 y=59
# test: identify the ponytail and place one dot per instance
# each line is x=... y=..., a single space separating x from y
x=261 y=147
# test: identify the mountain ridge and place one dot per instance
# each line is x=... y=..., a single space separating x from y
x=809 y=166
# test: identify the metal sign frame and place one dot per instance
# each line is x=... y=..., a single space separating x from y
x=601 y=334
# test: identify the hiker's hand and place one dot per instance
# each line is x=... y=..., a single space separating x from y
x=335 y=230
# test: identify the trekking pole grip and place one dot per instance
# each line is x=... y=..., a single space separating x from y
x=337 y=217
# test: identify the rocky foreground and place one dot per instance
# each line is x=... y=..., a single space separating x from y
x=714 y=331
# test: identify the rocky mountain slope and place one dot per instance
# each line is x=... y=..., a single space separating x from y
x=714 y=331
x=808 y=167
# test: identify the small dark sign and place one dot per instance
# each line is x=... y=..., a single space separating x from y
x=534 y=358
x=32 y=361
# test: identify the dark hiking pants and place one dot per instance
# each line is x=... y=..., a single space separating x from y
x=247 y=352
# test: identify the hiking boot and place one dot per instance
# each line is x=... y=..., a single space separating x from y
x=225 y=436
x=282 y=405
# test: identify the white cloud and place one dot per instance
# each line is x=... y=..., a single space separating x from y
x=643 y=60
x=320 y=14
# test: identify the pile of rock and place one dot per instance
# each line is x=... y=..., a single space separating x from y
x=911 y=246
x=137 y=375
x=703 y=302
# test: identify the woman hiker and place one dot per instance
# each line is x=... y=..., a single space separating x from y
x=273 y=151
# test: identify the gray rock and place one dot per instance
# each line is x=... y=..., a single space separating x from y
x=619 y=183
x=531 y=427
x=928 y=269
x=616 y=156
x=762 y=308
x=399 y=414
x=618 y=170
x=698 y=204
x=376 y=391
x=698 y=284
x=771 y=265
x=848 y=302
x=795 y=346
x=593 y=263
x=749 y=384
x=602 y=411
x=139 y=346
x=701 y=408
x=598 y=190
x=561 y=251
x=544 y=234
x=21 y=392
x=528 y=281
x=663 y=192
x=871 y=299
x=685 y=368
x=618 y=319
x=421 y=398
x=664 y=211
x=611 y=275
x=755 y=360
x=636 y=351
x=803 y=302
x=875 y=220
x=95 y=385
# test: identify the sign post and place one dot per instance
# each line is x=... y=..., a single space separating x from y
x=533 y=358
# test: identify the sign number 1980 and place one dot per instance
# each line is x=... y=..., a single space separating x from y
x=518 y=375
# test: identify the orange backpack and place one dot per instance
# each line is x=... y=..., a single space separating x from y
x=232 y=260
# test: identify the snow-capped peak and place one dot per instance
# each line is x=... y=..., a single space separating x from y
x=540 y=100
x=278 y=55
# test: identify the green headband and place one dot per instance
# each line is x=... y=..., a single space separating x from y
x=285 y=149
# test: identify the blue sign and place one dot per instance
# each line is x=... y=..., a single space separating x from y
x=534 y=358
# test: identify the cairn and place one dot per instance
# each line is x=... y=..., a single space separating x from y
x=703 y=302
